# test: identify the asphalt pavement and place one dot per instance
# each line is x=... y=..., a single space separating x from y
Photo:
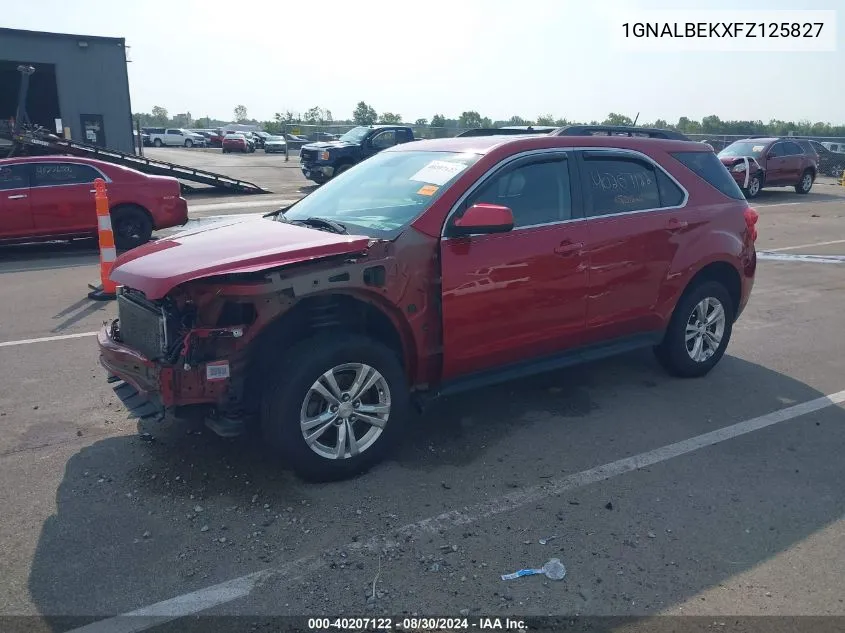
x=720 y=496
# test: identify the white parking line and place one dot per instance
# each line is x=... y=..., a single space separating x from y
x=800 y=246
x=197 y=601
x=45 y=339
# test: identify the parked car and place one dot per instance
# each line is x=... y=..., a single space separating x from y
x=526 y=254
x=320 y=162
x=145 y=138
x=260 y=139
x=216 y=138
x=830 y=163
x=755 y=163
x=274 y=144
x=175 y=137
x=834 y=147
x=295 y=141
x=52 y=197
x=237 y=142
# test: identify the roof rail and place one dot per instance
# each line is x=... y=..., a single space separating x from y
x=618 y=130
x=506 y=131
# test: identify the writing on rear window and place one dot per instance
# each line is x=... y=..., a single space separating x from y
x=626 y=181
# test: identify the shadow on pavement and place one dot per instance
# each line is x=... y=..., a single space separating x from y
x=141 y=521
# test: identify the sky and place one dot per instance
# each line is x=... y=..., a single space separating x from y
x=424 y=57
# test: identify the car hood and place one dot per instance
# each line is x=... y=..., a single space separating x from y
x=235 y=246
x=328 y=145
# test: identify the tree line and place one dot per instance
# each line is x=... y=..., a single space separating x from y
x=365 y=114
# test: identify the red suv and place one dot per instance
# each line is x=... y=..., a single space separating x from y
x=50 y=197
x=430 y=268
x=770 y=162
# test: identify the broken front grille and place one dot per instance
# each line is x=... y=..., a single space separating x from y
x=308 y=155
x=142 y=326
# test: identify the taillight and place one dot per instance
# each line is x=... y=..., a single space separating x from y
x=751 y=217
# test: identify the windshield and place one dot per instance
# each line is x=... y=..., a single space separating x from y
x=743 y=148
x=383 y=194
x=355 y=135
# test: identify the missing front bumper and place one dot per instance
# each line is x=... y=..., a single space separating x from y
x=138 y=404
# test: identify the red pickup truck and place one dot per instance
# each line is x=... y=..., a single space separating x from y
x=429 y=268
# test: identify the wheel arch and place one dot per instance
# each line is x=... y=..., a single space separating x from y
x=722 y=272
x=329 y=313
x=133 y=205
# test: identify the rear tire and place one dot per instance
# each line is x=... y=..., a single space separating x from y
x=806 y=183
x=157 y=142
x=690 y=350
x=132 y=227
x=289 y=397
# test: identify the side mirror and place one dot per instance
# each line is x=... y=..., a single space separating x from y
x=483 y=218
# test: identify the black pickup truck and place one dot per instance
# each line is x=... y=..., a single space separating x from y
x=320 y=162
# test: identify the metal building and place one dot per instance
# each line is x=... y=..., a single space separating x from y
x=80 y=85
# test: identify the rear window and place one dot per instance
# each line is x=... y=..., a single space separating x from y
x=708 y=167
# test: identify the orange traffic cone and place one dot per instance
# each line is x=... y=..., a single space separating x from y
x=107 y=289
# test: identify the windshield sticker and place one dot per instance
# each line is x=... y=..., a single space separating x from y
x=757 y=148
x=427 y=190
x=438 y=172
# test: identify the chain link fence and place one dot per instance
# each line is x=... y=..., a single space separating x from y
x=328 y=131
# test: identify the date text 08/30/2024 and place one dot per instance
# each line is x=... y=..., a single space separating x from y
x=416 y=624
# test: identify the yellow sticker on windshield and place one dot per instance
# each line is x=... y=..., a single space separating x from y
x=757 y=148
x=427 y=190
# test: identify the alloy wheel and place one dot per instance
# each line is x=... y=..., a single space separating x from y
x=705 y=329
x=345 y=411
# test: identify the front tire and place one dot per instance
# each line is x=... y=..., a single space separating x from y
x=340 y=169
x=132 y=227
x=189 y=143
x=806 y=183
x=335 y=406
x=754 y=187
x=699 y=331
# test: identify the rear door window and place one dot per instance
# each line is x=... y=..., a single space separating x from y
x=708 y=167
x=621 y=184
x=51 y=174
x=14 y=177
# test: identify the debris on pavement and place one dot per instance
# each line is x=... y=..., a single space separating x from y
x=609 y=506
x=553 y=570
x=543 y=541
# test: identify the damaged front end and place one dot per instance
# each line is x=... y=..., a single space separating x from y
x=159 y=357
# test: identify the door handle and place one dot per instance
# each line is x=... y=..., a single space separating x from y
x=676 y=225
x=568 y=248
x=18 y=196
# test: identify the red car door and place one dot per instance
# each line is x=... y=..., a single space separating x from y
x=777 y=166
x=793 y=162
x=62 y=196
x=633 y=222
x=513 y=296
x=15 y=215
